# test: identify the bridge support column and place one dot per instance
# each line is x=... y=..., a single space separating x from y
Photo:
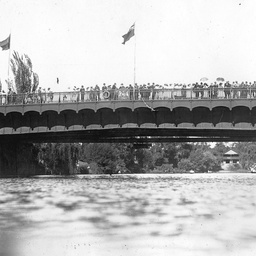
x=17 y=159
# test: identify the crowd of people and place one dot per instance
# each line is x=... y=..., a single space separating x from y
x=152 y=91
x=40 y=96
x=149 y=91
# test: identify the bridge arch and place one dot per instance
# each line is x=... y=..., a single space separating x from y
x=221 y=103
x=241 y=114
x=88 y=117
x=200 y=104
x=67 y=118
x=125 y=116
x=201 y=115
x=221 y=115
x=144 y=115
x=14 y=120
x=159 y=104
x=49 y=119
x=2 y=120
x=253 y=116
x=32 y=119
x=164 y=115
x=182 y=115
x=241 y=103
x=107 y=116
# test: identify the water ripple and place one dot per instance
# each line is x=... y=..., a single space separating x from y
x=199 y=214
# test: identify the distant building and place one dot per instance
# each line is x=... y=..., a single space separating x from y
x=231 y=157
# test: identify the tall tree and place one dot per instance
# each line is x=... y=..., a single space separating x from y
x=203 y=161
x=26 y=80
x=104 y=155
x=58 y=157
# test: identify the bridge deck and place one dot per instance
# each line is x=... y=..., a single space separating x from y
x=163 y=115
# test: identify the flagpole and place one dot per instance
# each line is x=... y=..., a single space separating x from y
x=9 y=60
x=134 y=57
x=134 y=71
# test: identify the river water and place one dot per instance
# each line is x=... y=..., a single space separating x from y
x=179 y=214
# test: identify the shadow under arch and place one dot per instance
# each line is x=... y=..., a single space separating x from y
x=201 y=115
x=221 y=115
x=241 y=114
x=88 y=117
x=68 y=118
x=14 y=120
x=182 y=115
x=107 y=116
x=125 y=116
x=2 y=120
x=163 y=115
x=253 y=116
x=32 y=119
x=144 y=115
x=50 y=119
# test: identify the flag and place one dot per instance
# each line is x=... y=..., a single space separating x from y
x=129 y=34
x=6 y=43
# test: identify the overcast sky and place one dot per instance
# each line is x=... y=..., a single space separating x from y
x=177 y=41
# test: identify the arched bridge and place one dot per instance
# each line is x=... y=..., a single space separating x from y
x=94 y=117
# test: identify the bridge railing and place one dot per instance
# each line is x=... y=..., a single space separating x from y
x=130 y=95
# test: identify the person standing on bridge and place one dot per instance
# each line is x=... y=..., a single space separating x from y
x=130 y=92
x=39 y=93
x=227 y=90
x=136 y=91
x=9 y=96
x=153 y=91
x=253 y=89
x=50 y=95
x=184 y=91
x=3 y=97
x=243 y=90
x=235 y=90
x=97 y=90
x=82 y=91
x=196 y=90
x=215 y=90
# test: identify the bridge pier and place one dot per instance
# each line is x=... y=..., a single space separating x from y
x=17 y=159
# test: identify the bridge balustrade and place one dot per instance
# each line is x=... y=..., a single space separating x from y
x=129 y=95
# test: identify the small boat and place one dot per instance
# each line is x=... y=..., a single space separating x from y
x=191 y=171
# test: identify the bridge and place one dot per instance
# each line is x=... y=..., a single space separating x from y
x=169 y=116
x=140 y=118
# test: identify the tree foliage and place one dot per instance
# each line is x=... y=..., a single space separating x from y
x=203 y=161
x=103 y=154
x=110 y=158
x=58 y=157
x=26 y=80
x=247 y=153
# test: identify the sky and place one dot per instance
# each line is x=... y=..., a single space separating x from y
x=176 y=41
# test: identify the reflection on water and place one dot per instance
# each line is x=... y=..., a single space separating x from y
x=199 y=214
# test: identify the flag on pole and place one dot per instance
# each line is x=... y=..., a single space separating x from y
x=130 y=34
x=6 y=43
